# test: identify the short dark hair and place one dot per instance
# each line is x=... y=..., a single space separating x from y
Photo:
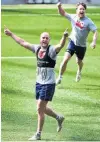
x=81 y=3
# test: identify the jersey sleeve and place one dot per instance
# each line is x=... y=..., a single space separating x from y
x=35 y=48
x=70 y=16
x=92 y=26
x=52 y=52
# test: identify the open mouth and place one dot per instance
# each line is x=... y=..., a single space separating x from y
x=82 y=13
x=44 y=43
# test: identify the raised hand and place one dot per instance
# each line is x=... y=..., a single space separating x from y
x=66 y=32
x=93 y=45
x=59 y=4
x=7 y=31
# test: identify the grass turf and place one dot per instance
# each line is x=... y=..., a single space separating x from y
x=78 y=102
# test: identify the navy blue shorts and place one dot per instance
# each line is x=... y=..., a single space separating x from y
x=45 y=91
x=78 y=50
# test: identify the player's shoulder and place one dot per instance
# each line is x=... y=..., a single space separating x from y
x=52 y=48
x=72 y=15
x=36 y=47
x=87 y=18
x=52 y=52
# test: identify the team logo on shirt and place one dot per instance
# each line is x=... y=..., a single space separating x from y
x=80 y=24
x=41 y=54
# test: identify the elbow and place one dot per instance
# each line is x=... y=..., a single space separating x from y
x=96 y=34
x=61 y=45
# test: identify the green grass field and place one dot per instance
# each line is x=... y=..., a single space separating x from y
x=78 y=102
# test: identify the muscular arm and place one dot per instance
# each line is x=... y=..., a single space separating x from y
x=19 y=40
x=61 y=10
x=59 y=46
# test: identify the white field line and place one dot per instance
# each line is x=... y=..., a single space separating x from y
x=42 y=6
x=20 y=57
x=97 y=14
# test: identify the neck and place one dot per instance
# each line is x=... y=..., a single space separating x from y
x=80 y=17
x=44 y=48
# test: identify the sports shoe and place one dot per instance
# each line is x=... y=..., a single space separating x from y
x=60 y=121
x=78 y=76
x=58 y=81
x=35 y=137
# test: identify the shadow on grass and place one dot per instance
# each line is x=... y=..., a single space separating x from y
x=92 y=85
x=29 y=11
x=18 y=118
x=16 y=92
x=29 y=32
x=73 y=130
x=84 y=103
x=18 y=64
x=84 y=119
x=84 y=75
x=88 y=87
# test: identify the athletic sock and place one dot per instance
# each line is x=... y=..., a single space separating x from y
x=57 y=117
x=60 y=76
x=38 y=132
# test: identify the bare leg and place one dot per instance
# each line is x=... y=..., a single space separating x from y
x=42 y=110
x=80 y=66
x=53 y=114
x=63 y=66
x=50 y=112
x=41 y=106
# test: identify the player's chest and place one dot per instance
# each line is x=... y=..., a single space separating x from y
x=80 y=24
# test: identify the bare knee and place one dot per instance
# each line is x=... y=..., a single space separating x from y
x=79 y=62
x=40 y=112
x=64 y=62
x=67 y=57
x=41 y=106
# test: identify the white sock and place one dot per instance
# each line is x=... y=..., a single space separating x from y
x=57 y=117
x=60 y=76
x=78 y=71
x=38 y=132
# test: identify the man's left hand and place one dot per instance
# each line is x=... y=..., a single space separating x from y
x=93 y=45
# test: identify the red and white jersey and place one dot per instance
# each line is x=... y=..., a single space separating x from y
x=80 y=29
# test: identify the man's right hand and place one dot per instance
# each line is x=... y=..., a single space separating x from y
x=7 y=31
x=59 y=4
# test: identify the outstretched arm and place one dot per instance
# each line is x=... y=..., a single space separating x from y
x=59 y=46
x=95 y=35
x=61 y=10
x=19 y=40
